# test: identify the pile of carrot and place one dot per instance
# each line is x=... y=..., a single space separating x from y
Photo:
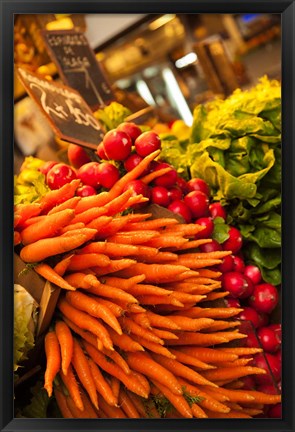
x=134 y=335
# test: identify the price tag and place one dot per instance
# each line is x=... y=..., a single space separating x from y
x=78 y=66
x=69 y=115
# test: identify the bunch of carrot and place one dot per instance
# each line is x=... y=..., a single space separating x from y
x=131 y=336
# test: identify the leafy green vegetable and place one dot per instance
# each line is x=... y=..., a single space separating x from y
x=24 y=324
x=112 y=115
x=221 y=229
x=38 y=406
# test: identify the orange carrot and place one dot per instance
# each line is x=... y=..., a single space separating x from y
x=192 y=244
x=45 y=248
x=85 y=261
x=152 y=224
x=240 y=351
x=222 y=325
x=190 y=360
x=141 y=319
x=208 y=355
x=235 y=395
x=198 y=412
x=86 y=322
x=125 y=342
x=138 y=403
x=159 y=300
x=108 y=291
x=53 y=360
x=62 y=403
x=16 y=238
x=178 y=401
x=52 y=276
x=166 y=241
x=58 y=196
x=119 y=186
x=133 y=237
x=232 y=373
x=61 y=267
x=264 y=398
x=115 y=225
x=66 y=344
x=69 y=204
x=99 y=223
x=114 y=206
x=127 y=405
x=89 y=337
x=161 y=321
x=145 y=289
x=71 y=227
x=153 y=346
x=90 y=214
x=48 y=227
x=199 y=339
x=23 y=212
x=191 y=324
x=115 y=370
x=116 y=249
x=124 y=284
x=80 y=363
x=116 y=309
x=131 y=327
x=198 y=312
x=72 y=386
x=115 y=386
x=155 y=273
x=87 y=304
x=118 y=359
x=101 y=384
x=114 y=266
x=87 y=412
x=164 y=334
x=92 y=201
x=111 y=411
x=133 y=200
x=161 y=257
x=142 y=362
x=155 y=174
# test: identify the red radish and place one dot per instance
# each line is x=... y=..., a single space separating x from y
x=210 y=247
x=249 y=289
x=249 y=383
x=198 y=203
x=267 y=388
x=108 y=174
x=117 y=145
x=59 y=175
x=268 y=362
x=179 y=207
x=138 y=187
x=208 y=225
x=197 y=184
x=180 y=182
x=88 y=174
x=160 y=196
x=85 y=191
x=263 y=319
x=232 y=302
x=264 y=298
x=234 y=242
x=216 y=210
x=275 y=411
x=239 y=264
x=77 y=156
x=100 y=152
x=130 y=129
x=253 y=273
x=268 y=339
x=147 y=143
x=252 y=341
x=47 y=166
x=249 y=314
x=168 y=179
x=132 y=161
x=226 y=265
x=175 y=193
x=278 y=330
x=235 y=283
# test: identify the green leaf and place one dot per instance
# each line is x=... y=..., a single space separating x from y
x=221 y=229
x=38 y=404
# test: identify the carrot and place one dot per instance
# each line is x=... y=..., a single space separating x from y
x=132 y=327
x=124 y=284
x=90 y=214
x=155 y=273
x=153 y=346
x=61 y=267
x=178 y=401
x=164 y=334
x=45 y=248
x=88 y=406
x=115 y=225
x=48 y=227
x=71 y=203
x=191 y=324
x=187 y=298
x=118 y=359
x=161 y=257
x=99 y=223
x=72 y=386
x=198 y=412
x=190 y=360
x=53 y=360
x=92 y=201
x=133 y=200
x=217 y=396
x=198 y=263
x=241 y=351
x=216 y=295
x=115 y=309
x=108 y=291
x=148 y=178
x=138 y=403
x=199 y=339
x=87 y=304
x=66 y=344
x=204 y=255
x=222 y=325
x=166 y=241
x=114 y=266
x=50 y=274
x=209 y=273
x=16 y=238
x=141 y=362
x=62 y=403
x=80 y=363
x=152 y=224
x=232 y=373
x=128 y=380
x=208 y=355
x=186 y=230
x=81 y=280
x=115 y=386
x=114 y=206
x=125 y=342
x=127 y=405
x=264 y=398
x=89 y=337
x=235 y=395
x=117 y=250
x=23 y=212
x=84 y=261
x=58 y=196
x=230 y=414
x=111 y=411
x=178 y=369
x=133 y=237
x=85 y=413
x=143 y=380
x=132 y=175
x=86 y=322
x=141 y=319
x=192 y=244
x=159 y=300
x=71 y=227
x=198 y=312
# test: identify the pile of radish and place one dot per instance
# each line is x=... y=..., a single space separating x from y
x=121 y=150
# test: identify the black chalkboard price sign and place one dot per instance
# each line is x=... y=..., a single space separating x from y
x=78 y=66
x=69 y=115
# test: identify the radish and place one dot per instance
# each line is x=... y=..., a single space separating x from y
x=208 y=227
x=175 y=193
x=88 y=174
x=210 y=247
x=226 y=265
x=253 y=273
x=107 y=174
x=249 y=314
x=160 y=196
x=232 y=302
x=147 y=143
x=197 y=184
x=264 y=298
x=268 y=339
x=59 y=175
x=238 y=264
x=130 y=129
x=268 y=362
x=216 y=210
x=85 y=191
x=77 y=156
x=198 y=203
x=234 y=242
x=166 y=180
x=117 y=145
x=47 y=166
x=236 y=283
x=179 y=207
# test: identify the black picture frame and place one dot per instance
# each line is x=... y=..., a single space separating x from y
x=10 y=7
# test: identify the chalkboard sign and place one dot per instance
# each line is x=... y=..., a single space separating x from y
x=78 y=66
x=69 y=115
